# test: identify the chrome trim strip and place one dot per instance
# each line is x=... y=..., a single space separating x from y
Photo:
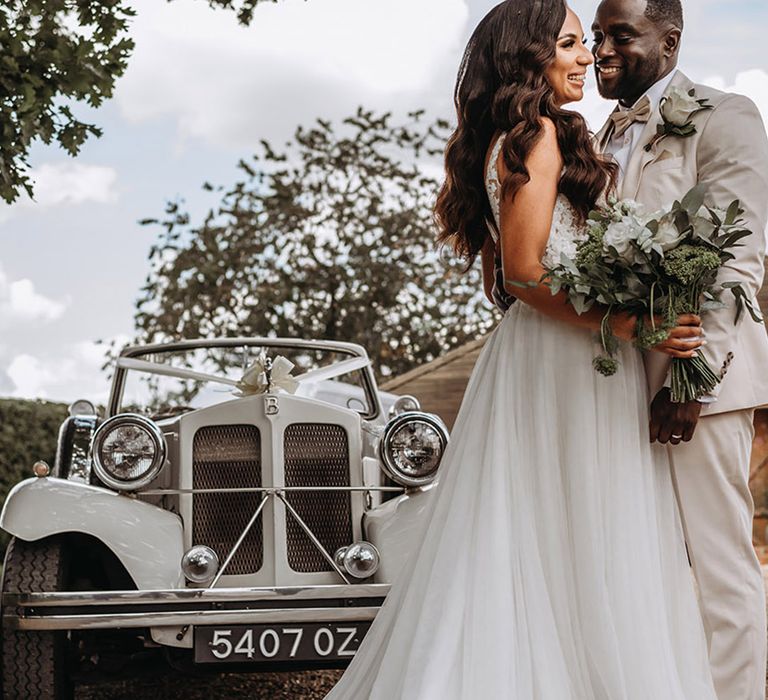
x=203 y=617
x=256 y=341
x=239 y=541
x=257 y=489
x=187 y=595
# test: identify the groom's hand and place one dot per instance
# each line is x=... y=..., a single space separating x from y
x=673 y=422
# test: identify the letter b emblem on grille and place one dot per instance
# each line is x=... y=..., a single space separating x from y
x=271 y=405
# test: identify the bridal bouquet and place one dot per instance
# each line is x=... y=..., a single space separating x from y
x=656 y=266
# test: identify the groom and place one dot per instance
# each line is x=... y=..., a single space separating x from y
x=636 y=45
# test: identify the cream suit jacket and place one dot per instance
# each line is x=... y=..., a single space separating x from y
x=729 y=154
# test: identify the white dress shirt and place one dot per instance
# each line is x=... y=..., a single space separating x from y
x=621 y=147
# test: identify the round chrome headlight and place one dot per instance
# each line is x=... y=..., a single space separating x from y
x=128 y=451
x=412 y=446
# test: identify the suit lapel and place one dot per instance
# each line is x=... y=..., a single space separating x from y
x=641 y=157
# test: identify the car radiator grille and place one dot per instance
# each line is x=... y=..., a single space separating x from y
x=228 y=456
x=317 y=454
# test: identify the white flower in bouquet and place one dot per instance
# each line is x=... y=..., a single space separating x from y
x=622 y=237
x=626 y=207
x=667 y=236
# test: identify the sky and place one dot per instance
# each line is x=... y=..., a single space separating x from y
x=199 y=94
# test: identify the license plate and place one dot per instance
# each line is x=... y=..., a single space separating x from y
x=290 y=642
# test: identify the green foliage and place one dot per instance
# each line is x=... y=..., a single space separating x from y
x=688 y=263
x=28 y=432
x=333 y=238
x=605 y=365
x=657 y=267
x=54 y=52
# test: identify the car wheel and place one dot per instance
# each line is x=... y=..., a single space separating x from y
x=35 y=663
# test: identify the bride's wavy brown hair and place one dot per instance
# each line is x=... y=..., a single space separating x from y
x=501 y=88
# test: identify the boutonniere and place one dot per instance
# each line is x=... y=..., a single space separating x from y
x=677 y=108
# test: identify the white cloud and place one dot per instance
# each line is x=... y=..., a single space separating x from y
x=298 y=60
x=74 y=373
x=752 y=83
x=68 y=183
x=74 y=183
x=19 y=301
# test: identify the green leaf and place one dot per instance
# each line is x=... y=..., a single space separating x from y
x=521 y=285
x=733 y=212
x=694 y=199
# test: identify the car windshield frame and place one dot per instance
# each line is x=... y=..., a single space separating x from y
x=350 y=349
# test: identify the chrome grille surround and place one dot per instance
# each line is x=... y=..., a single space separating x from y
x=228 y=456
x=317 y=454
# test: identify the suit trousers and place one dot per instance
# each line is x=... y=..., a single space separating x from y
x=711 y=474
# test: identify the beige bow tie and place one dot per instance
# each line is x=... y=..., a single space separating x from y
x=624 y=118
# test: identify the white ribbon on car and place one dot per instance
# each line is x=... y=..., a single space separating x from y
x=264 y=376
x=254 y=378
x=171 y=371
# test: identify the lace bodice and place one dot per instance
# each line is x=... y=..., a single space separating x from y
x=566 y=230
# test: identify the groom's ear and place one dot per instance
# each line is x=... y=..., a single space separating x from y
x=671 y=42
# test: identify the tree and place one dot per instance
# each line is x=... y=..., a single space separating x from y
x=46 y=64
x=56 y=53
x=333 y=238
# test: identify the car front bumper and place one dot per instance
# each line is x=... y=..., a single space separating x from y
x=86 y=610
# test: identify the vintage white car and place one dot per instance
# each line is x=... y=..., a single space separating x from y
x=244 y=503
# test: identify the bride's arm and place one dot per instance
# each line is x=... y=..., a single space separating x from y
x=525 y=222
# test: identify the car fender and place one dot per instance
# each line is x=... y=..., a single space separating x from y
x=146 y=539
x=390 y=527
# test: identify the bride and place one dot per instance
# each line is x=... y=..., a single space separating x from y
x=551 y=564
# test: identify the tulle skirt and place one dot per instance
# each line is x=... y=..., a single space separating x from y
x=550 y=564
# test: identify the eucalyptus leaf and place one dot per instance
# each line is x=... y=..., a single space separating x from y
x=733 y=212
x=694 y=199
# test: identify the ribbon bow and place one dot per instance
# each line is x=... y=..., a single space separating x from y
x=265 y=375
x=624 y=118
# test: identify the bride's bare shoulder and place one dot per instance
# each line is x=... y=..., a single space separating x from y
x=545 y=153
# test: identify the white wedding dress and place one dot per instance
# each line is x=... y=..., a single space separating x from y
x=551 y=564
